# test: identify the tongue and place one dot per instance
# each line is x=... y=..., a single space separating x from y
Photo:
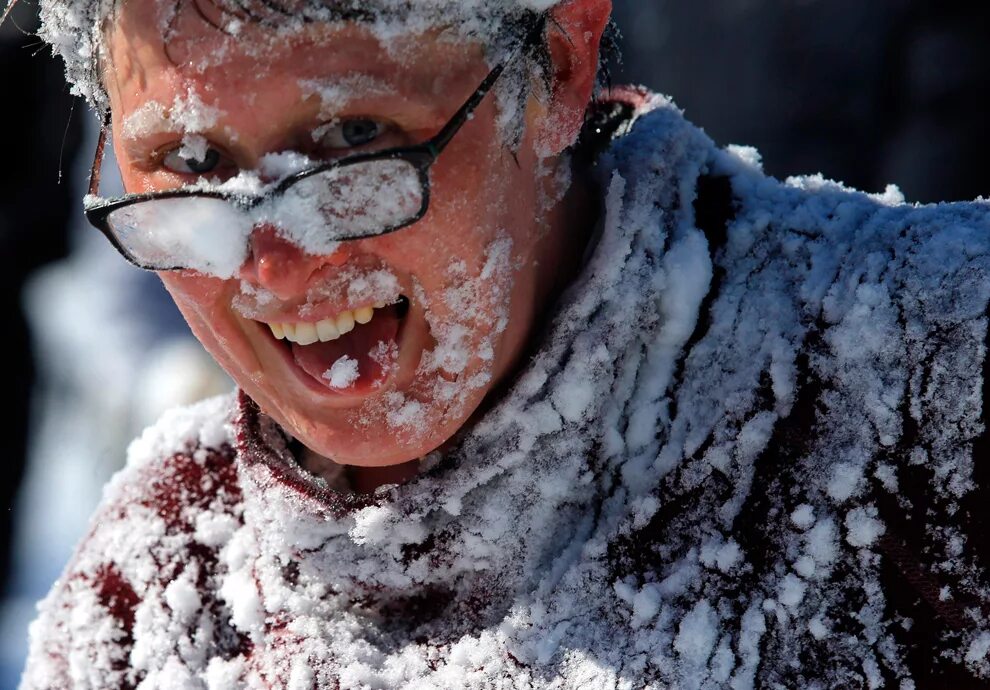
x=359 y=345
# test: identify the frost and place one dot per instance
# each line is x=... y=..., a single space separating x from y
x=697 y=634
x=792 y=591
x=185 y=115
x=863 y=527
x=845 y=481
x=685 y=484
x=978 y=648
x=803 y=516
x=74 y=28
x=342 y=373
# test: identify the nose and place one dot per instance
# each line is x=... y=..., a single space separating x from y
x=280 y=266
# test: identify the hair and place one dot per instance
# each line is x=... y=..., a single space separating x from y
x=515 y=27
x=75 y=28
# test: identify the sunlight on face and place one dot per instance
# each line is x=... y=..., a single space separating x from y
x=372 y=351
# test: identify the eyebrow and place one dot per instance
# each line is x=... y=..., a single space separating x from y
x=187 y=114
x=152 y=130
x=338 y=93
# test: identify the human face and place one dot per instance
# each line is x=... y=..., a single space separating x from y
x=470 y=277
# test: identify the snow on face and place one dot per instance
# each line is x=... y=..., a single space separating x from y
x=468 y=269
x=187 y=113
x=75 y=28
x=343 y=373
x=675 y=491
x=336 y=94
x=472 y=306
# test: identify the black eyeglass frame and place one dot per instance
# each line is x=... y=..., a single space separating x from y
x=420 y=156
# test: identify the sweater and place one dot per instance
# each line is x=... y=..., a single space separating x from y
x=747 y=452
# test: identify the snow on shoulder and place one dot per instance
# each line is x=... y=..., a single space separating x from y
x=139 y=571
x=747 y=436
x=202 y=425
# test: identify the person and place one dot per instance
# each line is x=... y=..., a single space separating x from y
x=537 y=386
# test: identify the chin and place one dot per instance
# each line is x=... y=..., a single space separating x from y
x=367 y=446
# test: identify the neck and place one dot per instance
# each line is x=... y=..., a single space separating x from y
x=571 y=225
x=351 y=478
x=366 y=480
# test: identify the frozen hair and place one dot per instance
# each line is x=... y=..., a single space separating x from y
x=74 y=28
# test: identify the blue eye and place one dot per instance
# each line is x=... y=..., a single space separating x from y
x=191 y=166
x=350 y=133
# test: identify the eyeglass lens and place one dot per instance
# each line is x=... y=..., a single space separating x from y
x=210 y=235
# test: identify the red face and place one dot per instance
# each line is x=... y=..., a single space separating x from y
x=379 y=351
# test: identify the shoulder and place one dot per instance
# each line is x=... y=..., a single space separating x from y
x=141 y=577
x=838 y=366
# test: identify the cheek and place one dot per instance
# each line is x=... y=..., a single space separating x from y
x=204 y=303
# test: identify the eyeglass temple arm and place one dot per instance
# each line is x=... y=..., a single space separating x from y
x=94 y=173
x=444 y=136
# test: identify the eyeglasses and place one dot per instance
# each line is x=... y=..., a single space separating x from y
x=355 y=197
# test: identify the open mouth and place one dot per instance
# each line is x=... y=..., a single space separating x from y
x=351 y=353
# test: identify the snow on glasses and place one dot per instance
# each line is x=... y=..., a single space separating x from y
x=354 y=197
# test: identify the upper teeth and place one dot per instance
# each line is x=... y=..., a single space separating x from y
x=307 y=333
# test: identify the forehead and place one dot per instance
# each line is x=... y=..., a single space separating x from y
x=157 y=46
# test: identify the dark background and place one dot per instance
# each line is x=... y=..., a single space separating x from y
x=870 y=92
x=865 y=91
x=40 y=138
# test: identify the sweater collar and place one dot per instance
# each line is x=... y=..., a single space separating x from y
x=524 y=487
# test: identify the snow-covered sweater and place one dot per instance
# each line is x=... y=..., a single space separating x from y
x=749 y=452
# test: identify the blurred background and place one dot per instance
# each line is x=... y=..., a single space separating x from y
x=885 y=91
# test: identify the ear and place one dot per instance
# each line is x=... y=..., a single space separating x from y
x=574 y=36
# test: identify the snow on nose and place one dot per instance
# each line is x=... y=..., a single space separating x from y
x=280 y=266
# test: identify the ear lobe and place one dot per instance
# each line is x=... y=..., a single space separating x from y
x=574 y=34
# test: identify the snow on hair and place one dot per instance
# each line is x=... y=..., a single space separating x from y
x=74 y=28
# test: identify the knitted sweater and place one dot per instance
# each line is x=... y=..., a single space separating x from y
x=749 y=451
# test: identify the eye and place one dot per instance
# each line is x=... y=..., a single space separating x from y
x=177 y=163
x=347 y=134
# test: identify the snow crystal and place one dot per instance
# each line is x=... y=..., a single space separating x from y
x=186 y=114
x=821 y=542
x=342 y=373
x=194 y=147
x=805 y=566
x=724 y=556
x=818 y=629
x=645 y=605
x=803 y=516
x=224 y=674
x=863 y=527
x=182 y=597
x=978 y=648
x=282 y=164
x=335 y=95
x=146 y=119
x=75 y=28
x=792 y=590
x=664 y=496
x=697 y=634
x=846 y=479
x=247 y=613
x=181 y=429
x=214 y=529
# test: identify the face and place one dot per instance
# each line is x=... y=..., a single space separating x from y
x=428 y=319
